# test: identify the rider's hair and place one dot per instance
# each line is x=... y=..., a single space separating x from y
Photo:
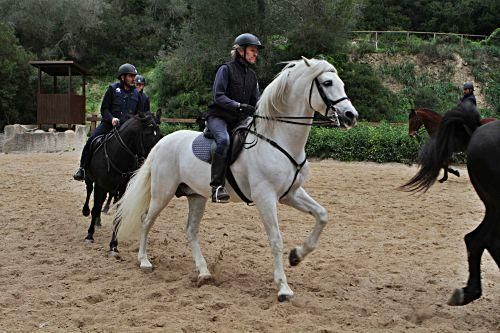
x=234 y=51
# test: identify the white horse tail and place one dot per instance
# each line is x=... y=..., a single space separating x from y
x=134 y=203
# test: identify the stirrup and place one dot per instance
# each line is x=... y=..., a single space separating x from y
x=219 y=197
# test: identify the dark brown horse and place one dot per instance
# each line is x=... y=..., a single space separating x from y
x=431 y=120
x=461 y=130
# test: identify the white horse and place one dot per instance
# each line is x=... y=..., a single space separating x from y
x=264 y=173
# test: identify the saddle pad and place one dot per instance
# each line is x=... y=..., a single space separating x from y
x=202 y=148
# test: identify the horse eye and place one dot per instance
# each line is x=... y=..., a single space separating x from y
x=327 y=83
x=154 y=132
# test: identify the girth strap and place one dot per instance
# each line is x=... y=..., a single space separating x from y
x=298 y=168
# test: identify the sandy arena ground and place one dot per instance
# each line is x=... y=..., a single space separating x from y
x=387 y=261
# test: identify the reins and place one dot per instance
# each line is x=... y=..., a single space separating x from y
x=330 y=105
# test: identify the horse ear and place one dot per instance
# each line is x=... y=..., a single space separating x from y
x=306 y=61
x=158 y=115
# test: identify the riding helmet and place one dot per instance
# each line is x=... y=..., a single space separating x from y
x=126 y=69
x=248 y=39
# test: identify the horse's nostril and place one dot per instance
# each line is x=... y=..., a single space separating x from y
x=349 y=115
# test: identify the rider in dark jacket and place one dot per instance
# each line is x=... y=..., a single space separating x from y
x=236 y=92
x=140 y=83
x=120 y=101
x=468 y=94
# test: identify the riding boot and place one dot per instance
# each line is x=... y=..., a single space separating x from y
x=219 y=193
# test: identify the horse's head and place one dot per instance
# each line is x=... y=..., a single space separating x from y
x=414 y=123
x=150 y=132
x=327 y=95
x=144 y=133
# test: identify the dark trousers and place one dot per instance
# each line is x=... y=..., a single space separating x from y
x=103 y=128
x=218 y=128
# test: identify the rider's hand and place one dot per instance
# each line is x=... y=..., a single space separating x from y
x=247 y=109
x=115 y=121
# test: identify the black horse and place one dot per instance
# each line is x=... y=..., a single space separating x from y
x=114 y=159
x=460 y=130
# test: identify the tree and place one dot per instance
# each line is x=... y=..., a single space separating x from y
x=16 y=96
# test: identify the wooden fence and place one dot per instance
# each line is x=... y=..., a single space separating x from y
x=374 y=34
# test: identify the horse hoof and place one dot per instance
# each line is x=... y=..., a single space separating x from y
x=147 y=269
x=203 y=280
x=294 y=258
x=86 y=211
x=98 y=223
x=114 y=254
x=457 y=298
x=89 y=240
x=283 y=298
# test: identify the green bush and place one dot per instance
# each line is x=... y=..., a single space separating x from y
x=383 y=143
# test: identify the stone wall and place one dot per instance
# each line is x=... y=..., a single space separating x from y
x=28 y=139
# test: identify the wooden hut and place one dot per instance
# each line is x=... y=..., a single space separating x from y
x=55 y=108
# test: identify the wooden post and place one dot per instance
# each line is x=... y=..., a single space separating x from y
x=69 y=90
x=376 y=40
x=38 y=95
x=84 y=99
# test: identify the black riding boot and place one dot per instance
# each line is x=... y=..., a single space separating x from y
x=219 y=193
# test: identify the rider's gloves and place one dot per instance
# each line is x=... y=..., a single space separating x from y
x=247 y=109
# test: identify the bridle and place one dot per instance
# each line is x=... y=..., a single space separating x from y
x=137 y=157
x=330 y=105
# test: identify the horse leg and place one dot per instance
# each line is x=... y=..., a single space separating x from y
x=90 y=188
x=303 y=202
x=159 y=200
x=99 y=196
x=268 y=213
x=445 y=176
x=475 y=243
x=454 y=172
x=108 y=203
x=197 y=205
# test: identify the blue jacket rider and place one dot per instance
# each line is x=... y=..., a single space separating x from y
x=120 y=101
x=236 y=92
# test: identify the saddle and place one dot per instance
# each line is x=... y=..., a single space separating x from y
x=97 y=143
x=204 y=145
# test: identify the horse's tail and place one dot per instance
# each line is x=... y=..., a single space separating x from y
x=453 y=136
x=134 y=203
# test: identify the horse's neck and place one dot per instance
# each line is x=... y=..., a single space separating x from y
x=431 y=121
x=130 y=137
x=291 y=137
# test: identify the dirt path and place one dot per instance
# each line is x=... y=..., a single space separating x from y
x=386 y=261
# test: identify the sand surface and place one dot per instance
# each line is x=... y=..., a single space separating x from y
x=387 y=261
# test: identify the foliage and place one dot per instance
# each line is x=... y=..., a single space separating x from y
x=462 y=16
x=383 y=143
x=372 y=100
x=16 y=96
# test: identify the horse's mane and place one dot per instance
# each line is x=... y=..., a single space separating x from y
x=273 y=100
x=455 y=131
x=430 y=113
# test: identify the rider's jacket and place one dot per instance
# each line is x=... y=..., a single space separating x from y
x=469 y=98
x=120 y=103
x=145 y=105
x=234 y=83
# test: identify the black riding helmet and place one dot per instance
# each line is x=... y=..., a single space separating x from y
x=140 y=79
x=126 y=69
x=248 y=39
x=468 y=85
